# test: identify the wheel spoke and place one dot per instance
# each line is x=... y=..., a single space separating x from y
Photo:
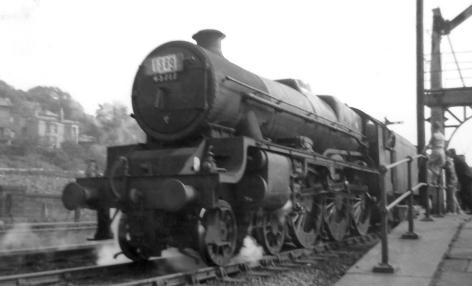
x=219 y=238
x=271 y=233
x=361 y=212
x=304 y=226
x=336 y=218
x=125 y=241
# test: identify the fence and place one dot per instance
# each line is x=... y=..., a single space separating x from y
x=16 y=205
x=384 y=266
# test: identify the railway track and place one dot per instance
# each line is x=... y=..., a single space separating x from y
x=40 y=259
x=161 y=271
x=35 y=235
x=46 y=226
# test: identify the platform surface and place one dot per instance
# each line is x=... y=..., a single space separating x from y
x=415 y=261
x=456 y=268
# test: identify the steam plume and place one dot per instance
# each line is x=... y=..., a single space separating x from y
x=250 y=252
x=106 y=252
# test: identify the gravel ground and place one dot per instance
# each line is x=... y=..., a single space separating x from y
x=322 y=273
x=324 y=269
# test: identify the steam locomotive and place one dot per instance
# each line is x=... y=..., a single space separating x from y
x=229 y=154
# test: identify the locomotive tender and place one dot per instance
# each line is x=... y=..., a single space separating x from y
x=230 y=154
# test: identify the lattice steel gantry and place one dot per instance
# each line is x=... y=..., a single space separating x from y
x=440 y=99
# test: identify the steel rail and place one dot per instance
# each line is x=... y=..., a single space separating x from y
x=19 y=231
x=26 y=259
x=46 y=225
x=56 y=277
x=48 y=250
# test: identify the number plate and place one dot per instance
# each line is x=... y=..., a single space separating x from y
x=165 y=64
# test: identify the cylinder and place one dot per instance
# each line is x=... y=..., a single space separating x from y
x=172 y=195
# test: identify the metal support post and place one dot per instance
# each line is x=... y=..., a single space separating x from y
x=411 y=232
x=439 y=197
x=442 y=209
x=77 y=215
x=384 y=266
x=450 y=190
x=427 y=215
x=420 y=100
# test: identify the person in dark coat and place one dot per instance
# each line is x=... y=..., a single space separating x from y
x=464 y=175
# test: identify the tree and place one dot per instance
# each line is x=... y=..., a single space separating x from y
x=116 y=126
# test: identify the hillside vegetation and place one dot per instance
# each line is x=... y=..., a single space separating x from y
x=110 y=125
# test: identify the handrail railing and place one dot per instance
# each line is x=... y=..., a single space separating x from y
x=384 y=266
x=405 y=195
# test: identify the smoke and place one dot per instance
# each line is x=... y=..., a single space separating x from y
x=181 y=262
x=284 y=211
x=21 y=236
x=106 y=252
x=251 y=252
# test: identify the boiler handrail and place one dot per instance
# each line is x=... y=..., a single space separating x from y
x=385 y=168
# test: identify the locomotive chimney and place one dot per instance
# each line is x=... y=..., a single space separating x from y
x=210 y=40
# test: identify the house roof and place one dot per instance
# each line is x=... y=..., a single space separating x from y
x=5 y=101
x=48 y=114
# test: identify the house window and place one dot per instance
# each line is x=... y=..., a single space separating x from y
x=75 y=132
x=52 y=128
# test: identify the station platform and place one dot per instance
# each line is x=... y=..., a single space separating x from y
x=441 y=256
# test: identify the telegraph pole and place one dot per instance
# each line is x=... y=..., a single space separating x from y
x=420 y=97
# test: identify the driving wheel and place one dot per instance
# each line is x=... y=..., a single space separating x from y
x=271 y=232
x=218 y=237
x=336 y=216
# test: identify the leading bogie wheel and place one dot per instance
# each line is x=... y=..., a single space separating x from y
x=218 y=235
x=126 y=243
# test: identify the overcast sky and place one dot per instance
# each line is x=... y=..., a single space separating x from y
x=361 y=51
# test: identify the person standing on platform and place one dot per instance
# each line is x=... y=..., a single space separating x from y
x=464 y=175
x=437 y=158
x=452 y=186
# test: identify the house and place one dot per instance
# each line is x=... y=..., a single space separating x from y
x=51 y=128
x=6 y=121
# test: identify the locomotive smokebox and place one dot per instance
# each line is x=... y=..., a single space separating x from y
x=75 y=196
x=210 y=40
